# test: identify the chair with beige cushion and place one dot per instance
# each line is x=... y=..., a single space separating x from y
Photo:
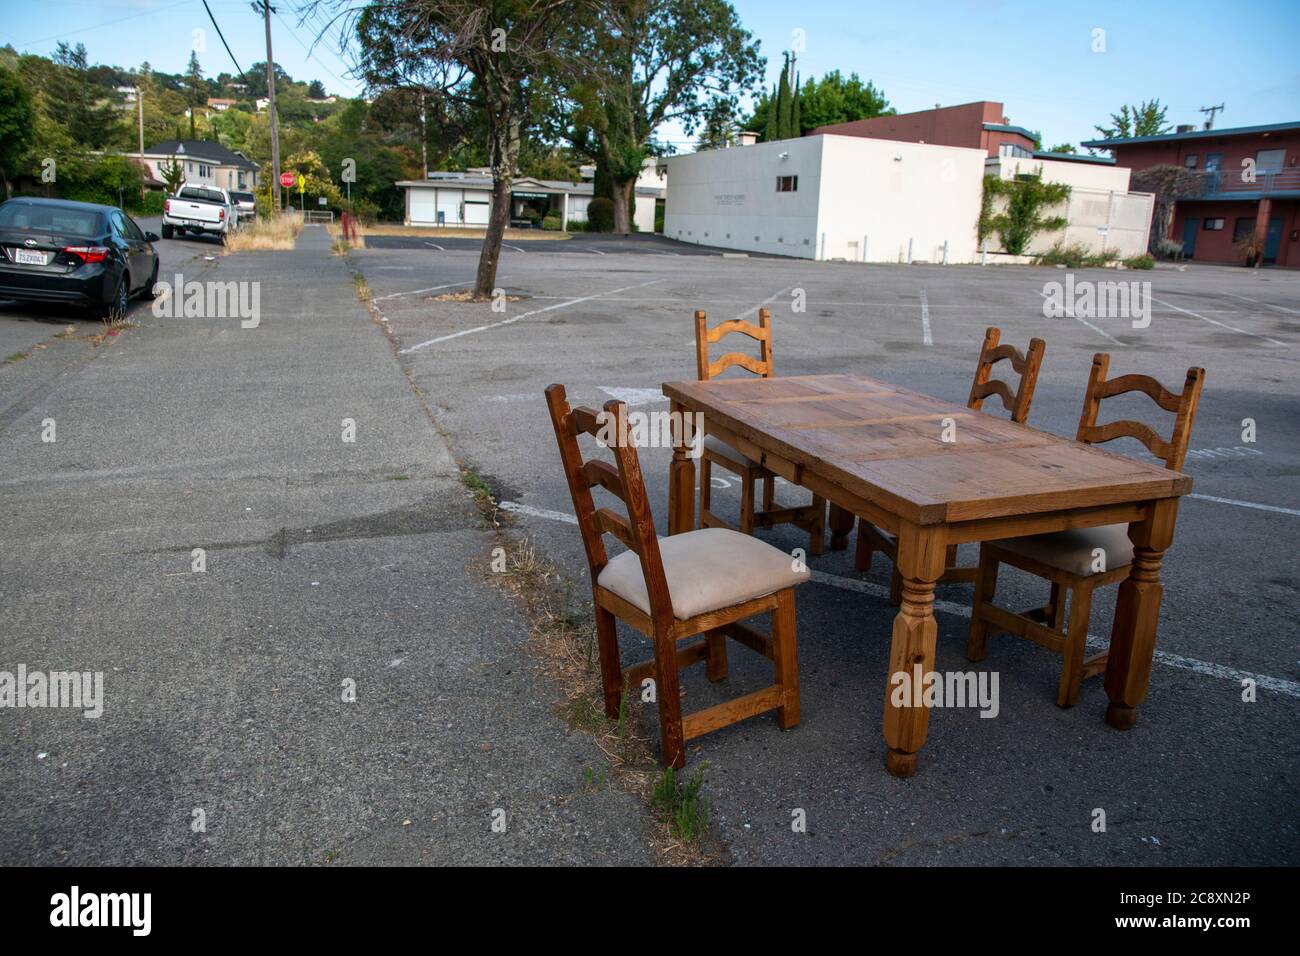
x=812 y=518
x=703 y=582
x=871 y=538
x=1079 y=561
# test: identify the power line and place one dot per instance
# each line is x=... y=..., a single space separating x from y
x=223 y=40
x=305 y=48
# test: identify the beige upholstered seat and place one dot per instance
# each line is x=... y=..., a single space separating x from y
x=716 y=445
x=706 y=569
x=1074 y=550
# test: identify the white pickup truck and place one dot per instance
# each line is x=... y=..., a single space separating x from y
x=200 y=210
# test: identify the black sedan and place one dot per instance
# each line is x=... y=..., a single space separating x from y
x=55 y=250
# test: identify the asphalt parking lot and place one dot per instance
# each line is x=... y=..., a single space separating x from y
x=1016 y=789
x=330 y=561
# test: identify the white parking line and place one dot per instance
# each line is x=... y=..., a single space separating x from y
x=522 y=315
x=596 y=251
x=1101 y=332
x=507 y=245
x=1204 y=668
x=1247 y=504
x=1222 y=325
x=925 y=320
x=768 y=301
x=436 y=246
x=432 y=288
x=1267 y=305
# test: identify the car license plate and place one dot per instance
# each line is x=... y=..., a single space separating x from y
x=29 y=257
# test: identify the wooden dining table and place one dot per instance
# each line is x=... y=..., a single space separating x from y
x=935 y=473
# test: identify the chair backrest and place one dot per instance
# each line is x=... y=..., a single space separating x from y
x=705 y=336
x=1183 y=405
x=637 y=530
x=1025 y=365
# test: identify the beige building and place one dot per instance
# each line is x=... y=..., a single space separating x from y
x=204 y=162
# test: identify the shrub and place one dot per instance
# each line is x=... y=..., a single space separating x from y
x=110 y=180
x=600 y=215
x=1075 y=256
x=577 y=225
x=552 y=223
x=1144 y=261
x=151 y=205
x=1019 y=217
x=1168 y=248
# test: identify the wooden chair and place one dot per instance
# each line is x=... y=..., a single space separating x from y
x=1079 y=561
x=812 y=518
x=871 y=538
x=700 y=582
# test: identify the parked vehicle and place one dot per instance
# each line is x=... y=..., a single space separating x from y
x=55 y=250
x=202 y=210
x=246 y=203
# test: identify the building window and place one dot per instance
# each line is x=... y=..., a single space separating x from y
x=1190 y=161
x=1270 y=160
x=787 y=184
x=1212 y=225
x=1213 y=162
x=1243 y=227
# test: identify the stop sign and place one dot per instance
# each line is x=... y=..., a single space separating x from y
x=286 y=180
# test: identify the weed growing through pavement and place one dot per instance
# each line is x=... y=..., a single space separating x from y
x=279 y=233
x=363 y=290
x=681 y=809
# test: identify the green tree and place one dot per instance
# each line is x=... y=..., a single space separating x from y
x=316 y=90
x=196 y=90
x=641 y=64
x=1013 y=208
x=85 y=107
x=17 y=116
x=1063 y=148
x=1146 y=119
x=784 y=109
x=832 y=99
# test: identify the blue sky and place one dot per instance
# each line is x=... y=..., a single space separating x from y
x=1036 y=58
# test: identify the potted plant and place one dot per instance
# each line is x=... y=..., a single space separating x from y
x=1251 y=246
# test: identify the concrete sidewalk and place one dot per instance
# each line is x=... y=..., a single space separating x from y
x=328 y=562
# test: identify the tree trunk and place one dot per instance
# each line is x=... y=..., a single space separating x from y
x=487 y=261
x=624 y=193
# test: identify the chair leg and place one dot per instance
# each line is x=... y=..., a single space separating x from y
x=747 y=503
x=1076 y=638
x=611 y=673
x=1055 y=617
x=986 y=584
x=785 y=659
x=817 y=534
x=669 y=697
x=950 y=557
x=862 y=553
x=706 y=487
x=895 y=587
x=769 y=492
x=716 y=662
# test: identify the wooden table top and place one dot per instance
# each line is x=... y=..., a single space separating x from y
x=883 y=443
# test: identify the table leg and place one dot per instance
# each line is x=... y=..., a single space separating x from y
x=921 y=557
x=1137 y=613
x=681 y=476
x=841 y=523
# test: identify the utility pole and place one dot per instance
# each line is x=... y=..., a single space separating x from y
x=424 y=139
x=139 y=105
x=1209 y=123
x=270 y=96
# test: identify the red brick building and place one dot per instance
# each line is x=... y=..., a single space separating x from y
x=979 y=125
x=1251 y=178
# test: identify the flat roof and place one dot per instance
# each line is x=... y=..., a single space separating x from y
x=522 y=184
x=1192 y=134
x=1075 y=158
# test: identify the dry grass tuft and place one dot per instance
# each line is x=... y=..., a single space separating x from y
x=280 y=233
x=563 y=638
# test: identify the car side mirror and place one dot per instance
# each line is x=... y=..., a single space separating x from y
x=151 y=237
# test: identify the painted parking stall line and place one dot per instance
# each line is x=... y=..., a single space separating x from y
x=1204 y=668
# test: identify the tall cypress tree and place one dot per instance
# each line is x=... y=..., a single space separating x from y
x=784 y=105
x=770 y=133
x=796 y=124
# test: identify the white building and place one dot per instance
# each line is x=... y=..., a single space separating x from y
x=864 y=200
x=201 y=161
x=455 y=199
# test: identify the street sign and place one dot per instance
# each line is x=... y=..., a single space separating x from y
x=321 y=201
x=286 y=180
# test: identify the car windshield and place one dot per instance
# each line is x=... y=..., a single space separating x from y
x=203 y=195
x=244 y=197
x=68 y=220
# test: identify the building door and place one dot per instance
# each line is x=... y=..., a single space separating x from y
x=1190 y=228
x=1272 y=240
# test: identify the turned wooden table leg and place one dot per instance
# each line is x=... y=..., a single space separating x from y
x=841 y=523
x=911 y=655
x=1137 y=614
x=681 y=475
